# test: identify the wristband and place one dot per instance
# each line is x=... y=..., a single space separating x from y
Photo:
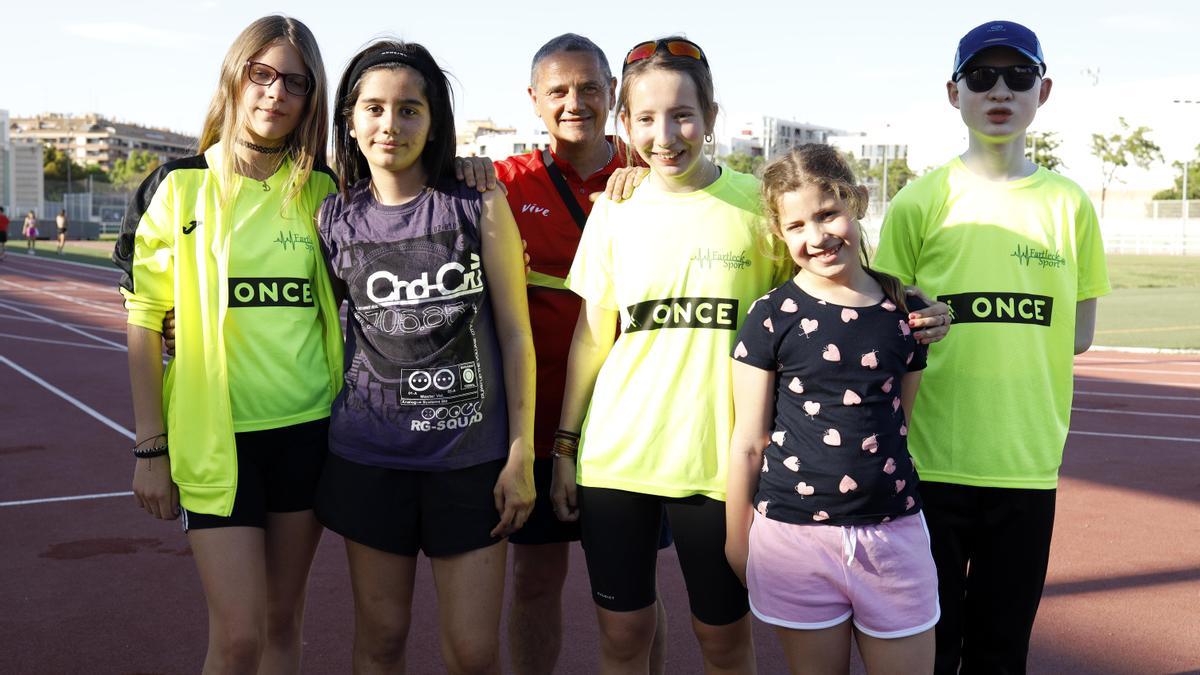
x=564 y=447
x=150 y=453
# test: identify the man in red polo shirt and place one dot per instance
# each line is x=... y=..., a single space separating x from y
x=572 y=90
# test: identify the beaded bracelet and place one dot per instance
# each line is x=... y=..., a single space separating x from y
x=149 y=453
x=566 y=444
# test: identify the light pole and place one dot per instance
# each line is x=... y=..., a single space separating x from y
x=1187 y=159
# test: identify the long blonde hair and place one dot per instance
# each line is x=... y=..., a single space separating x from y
x=823 y=166
x=225 y=121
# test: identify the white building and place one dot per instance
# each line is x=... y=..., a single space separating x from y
x=94 y=140
x=768 y=137
x=22 y=187
x=873 y=148
x=502 y=145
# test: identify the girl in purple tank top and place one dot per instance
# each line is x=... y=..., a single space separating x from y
x=431 y=437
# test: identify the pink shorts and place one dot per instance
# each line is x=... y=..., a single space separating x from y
x=809 y=577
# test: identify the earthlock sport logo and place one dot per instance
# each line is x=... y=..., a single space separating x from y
x=718 y=313
x=1020 y=308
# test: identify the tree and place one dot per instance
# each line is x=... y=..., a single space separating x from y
x=55 y=163
x=897 y=177
x=1193 y=181
x=127 y=174
x=742 y=162
x=1040 y=147
x=1116 y=151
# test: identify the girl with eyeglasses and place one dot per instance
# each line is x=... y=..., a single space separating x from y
x=235 y=436
x=647 y=417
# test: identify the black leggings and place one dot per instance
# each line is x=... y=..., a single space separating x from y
x=620 y=542
x=991 y=546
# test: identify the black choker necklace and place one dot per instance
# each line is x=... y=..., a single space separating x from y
x=262 y=148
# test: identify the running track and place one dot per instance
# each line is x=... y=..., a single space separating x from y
x=89 y=583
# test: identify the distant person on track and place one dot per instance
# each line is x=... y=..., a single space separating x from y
x=30 y=231
x=431 y=438
x=61 y=222
x=4 y=221
x=1015 y=250
x=246 y=400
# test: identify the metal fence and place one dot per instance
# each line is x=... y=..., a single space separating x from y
x=1138 y=236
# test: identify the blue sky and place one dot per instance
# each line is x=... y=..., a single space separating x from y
x=859 y=66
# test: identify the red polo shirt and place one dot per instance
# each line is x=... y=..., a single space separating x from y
x=552 y=237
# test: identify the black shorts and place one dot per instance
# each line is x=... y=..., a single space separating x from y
x=543 y=527
x=442 y=513
x=620 y=532
x=278 y=470
x=3 y=236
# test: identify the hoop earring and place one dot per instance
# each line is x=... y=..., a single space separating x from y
x=708 y=138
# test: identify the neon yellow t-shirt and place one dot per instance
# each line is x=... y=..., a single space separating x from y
x=1011 y=259
x=682 y=270
x=273 y=317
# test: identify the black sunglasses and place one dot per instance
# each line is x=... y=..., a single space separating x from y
x=1017 y=78
x=296 y=84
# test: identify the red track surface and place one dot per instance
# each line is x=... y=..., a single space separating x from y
x=96 y=585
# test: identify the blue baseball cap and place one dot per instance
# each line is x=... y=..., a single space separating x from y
x=998 y=34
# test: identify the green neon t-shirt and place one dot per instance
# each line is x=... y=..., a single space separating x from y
x=682 y=270
x=273 y=317
x=1011 y=259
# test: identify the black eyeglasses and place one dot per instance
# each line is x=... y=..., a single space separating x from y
x=1017 y=78
x=296 y=84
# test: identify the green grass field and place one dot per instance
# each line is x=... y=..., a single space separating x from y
x=1155 y=303
x=1155 y=300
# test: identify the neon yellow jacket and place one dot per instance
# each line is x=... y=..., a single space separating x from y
x=174 y=249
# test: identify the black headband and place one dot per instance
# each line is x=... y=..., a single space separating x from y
x=391 y=58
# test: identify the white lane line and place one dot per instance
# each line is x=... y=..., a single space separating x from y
x=1131 y=361
x=1141 y=350
x=108 y=312
x=65 y=343
x=69 y=399
x=1137 y=436
x=1113 y=411
x=97 y=338
x=75 y=498
x=97 y=269
x=27 y=274
x=1149 y=396
x=57 y=296
x=13 y=317
x=1110 y=369
x=1165 y=385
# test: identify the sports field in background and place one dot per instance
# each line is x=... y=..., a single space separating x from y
x=1155 y=301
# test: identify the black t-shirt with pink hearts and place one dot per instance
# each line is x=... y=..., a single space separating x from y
x=838 y=453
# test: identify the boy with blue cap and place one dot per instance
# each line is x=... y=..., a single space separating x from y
x=1015 y=250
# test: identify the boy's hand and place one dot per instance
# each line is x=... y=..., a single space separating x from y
x=621 y=184
x=930 y=324
x=477 y=172
x=168 y=333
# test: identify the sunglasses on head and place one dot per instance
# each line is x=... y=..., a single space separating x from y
x=1017 y=78
x=675 y=47
x=297 y=84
